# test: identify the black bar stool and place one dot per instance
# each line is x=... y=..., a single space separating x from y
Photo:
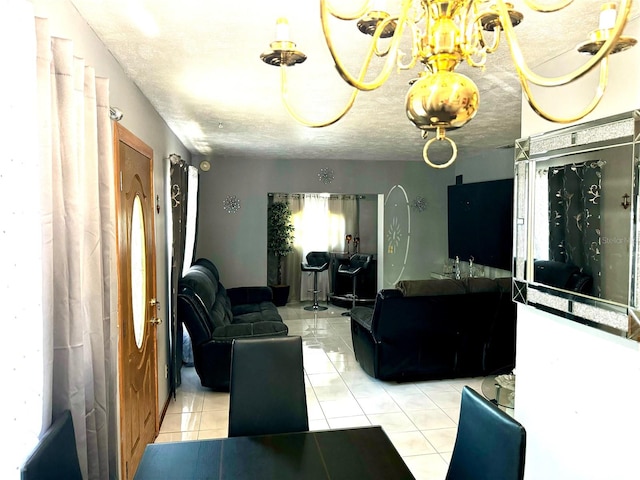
x=316 y=262
x=358 y=262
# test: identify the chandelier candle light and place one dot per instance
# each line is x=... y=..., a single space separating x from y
x=445 y=33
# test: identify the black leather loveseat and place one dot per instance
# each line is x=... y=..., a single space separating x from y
x=214 y=316
x=429 y=329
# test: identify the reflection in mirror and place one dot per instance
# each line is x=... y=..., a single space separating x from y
x=575 y=233
x=581 y=232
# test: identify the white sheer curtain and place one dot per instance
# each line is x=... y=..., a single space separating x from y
x=312 y=227
x=66 y=198
x=192 y=217
x=321 y=222
x=345 y=219
x=291 y=263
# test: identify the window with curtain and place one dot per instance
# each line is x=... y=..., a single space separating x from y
x=192 y=218
x=321 y=222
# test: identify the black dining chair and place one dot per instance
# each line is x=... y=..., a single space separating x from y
x=267 y=393
x=55 y=456
x=490 y=444
x=316 y=262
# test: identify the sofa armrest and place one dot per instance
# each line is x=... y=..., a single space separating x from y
x=363 y=316
x=390 y=293
x=244 y=295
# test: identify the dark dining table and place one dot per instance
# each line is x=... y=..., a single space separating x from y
x=354 y=453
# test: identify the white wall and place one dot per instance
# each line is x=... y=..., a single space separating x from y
x=577 y=395
x=141 y=119
x=578 y=387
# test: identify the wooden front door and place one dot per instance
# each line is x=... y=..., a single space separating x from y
x=137 y=299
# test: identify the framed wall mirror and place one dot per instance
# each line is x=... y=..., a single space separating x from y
x=575 y=223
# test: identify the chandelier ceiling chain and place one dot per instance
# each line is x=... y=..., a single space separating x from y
x=445 y=33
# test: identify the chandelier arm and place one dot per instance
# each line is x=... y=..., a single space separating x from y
x=284 y=93
x=384 y=51
x=554 y=7
x=484 y=50
x=530 y=76
x=346 y=16
x=479 y=63
x=496 y=39
x=415 y=48
x=389 y=63
x=602 y=84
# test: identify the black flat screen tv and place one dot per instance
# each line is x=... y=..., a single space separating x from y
x=481 y=222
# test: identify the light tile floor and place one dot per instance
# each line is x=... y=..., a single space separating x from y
x=420 y=418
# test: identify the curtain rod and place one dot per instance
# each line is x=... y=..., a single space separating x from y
x=331 y=195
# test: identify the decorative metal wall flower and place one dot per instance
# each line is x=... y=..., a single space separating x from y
x=419 y=204
x=231 y=204
x=326 y=175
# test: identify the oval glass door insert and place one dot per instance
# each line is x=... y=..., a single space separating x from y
x=138 y=271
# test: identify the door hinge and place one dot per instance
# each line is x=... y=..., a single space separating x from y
x=121 y=181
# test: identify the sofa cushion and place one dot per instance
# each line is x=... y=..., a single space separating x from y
x=246 y=295
x=431 y=287
x=200 y=283
x=225 y=305
x=208 y=264
x=204 y=292
x=220 y=315
x=256 y=329
x=255 y=312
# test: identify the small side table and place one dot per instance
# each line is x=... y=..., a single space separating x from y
x=501 y=390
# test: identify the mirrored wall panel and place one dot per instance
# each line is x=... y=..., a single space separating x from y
x=575 y=228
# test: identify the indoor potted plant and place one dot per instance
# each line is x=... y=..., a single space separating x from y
x=280 y=244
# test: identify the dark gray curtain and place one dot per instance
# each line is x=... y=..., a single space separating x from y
x=574 y=217
x=179 y=178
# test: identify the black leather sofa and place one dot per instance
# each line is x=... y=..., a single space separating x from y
x=430 y=329
x=215 y=316
x=563 y=275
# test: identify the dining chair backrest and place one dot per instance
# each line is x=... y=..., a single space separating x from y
x=55 y=456
x=490 y=444
x=267 y=392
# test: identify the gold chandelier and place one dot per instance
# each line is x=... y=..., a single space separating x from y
x=443 y=34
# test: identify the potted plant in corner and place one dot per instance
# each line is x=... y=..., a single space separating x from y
x=280 y=244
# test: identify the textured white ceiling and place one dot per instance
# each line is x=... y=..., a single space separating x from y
x=198 y=62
